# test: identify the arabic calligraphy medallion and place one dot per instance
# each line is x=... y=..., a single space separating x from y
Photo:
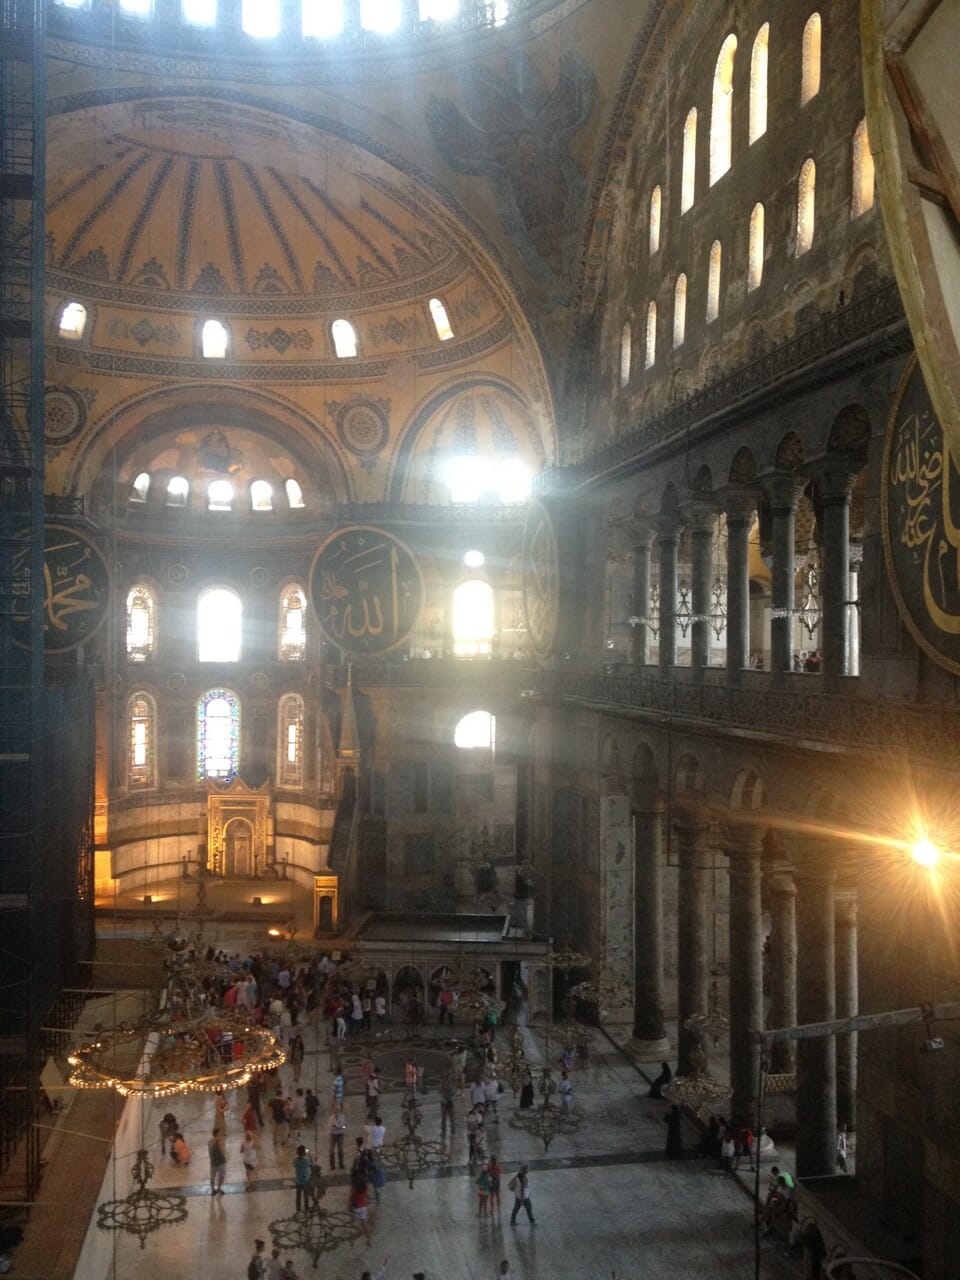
x=366 y=588
x=921 y=521
x=76 y=584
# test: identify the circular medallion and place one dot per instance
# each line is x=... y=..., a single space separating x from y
x=259 y=577
x=366 y=588
x=64 y=414
x=363 y=429
x=177 y=574
x=176 y=682
x=920 y=501
x=259 y=682
x=541 y=578
x=76 y=587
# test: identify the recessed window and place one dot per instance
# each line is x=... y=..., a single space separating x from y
x=381 y=16
x=656 y=210
x=713 y=281
x=293 y=631
x=142 y=722
x=863 y=172
x=721 y=113
x=474 y=559
x=261 y=496
x=140 y=623
x=294 y=495
x=810 y=59
x=74 y=4
x=214 y=340
x=759 y=60
x=680 y=310
x=806 y=199
x=473 y=619
x=290 y=739
x=650 y=346
x=137 y=8
x=73 y=320
x=218 y=735
x=688 y=175
x=344 y=339
x=220 y=495
x=261 y=18
x=141 y=487
x=200 y=13
x=178 y=491
x=438 y=10
x=625 y=344
x=476 y=730
x=322 y=19
x=219 y=625
x=755 y=249
x=441 y=322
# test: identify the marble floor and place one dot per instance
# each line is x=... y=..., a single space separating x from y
x=605 y=1199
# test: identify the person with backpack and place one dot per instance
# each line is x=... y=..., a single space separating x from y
x=257 y=1266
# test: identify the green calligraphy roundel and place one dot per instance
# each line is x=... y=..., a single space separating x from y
x=366 y=588
x=921 y=521
x=76 y=587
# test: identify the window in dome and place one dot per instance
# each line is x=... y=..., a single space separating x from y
x=140 y=623
x=290 y=740
x=650 y=352
x=806 y=196
x=497 y=11
x=688 y=176
x=514 y=480
x=200 y=13
x=810 y=59
x=473 y=619
x=73 y=320
x=441 y=322
x=219 y=625
x=626 y=339
x=344 y=339
x=755 y=250
x=261 y=496
x=863 y=175
x=137 y=8
x=322 y=19
x=142 y=759
x=474 y=559
x=656 y=210
x=218 y=735
x=721 y=112
x=214 y=340
x=713 y=281
x=381 y=16
x=141 y=487
x=220 y=496
x=438 y=10
x=178 y=491
x=476 y=730
x=759 y=59
x=680 y=310
x=467 y=479
x=293 y=632
x=294 y=495
x=74 y=4
x=261 y=18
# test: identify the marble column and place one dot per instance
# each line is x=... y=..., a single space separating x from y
x=650 y=1043
x=667 y=536
x=784 y=492
x=640 y=635
x=835 y=482
x=740 y=513
x=816 y=1002
x=616 y=871
x=693 y=968
x=701 y=521
x=743 y=846
x=848 y=1005
x=782 y=897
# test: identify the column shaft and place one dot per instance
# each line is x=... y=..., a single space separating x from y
x=744 y=849
x=738 y=591
x=783 y=596
x=783 y=966
x=648 y=1024
x=692 y=956
x=701 y=593
x=641 y=599
x=836 y=582
x=816 y=1002
x=667 y=543
x=848 y=1006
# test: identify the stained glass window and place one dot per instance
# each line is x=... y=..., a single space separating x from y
x=218 y=735
x=142 y=720
x=219 y=625
x=290 y=738
x=293 y=634
x=140 y=623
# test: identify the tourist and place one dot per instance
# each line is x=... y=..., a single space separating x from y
x=674 y=1137
x=179 y=1151
x=566 y=1093
x=218 y=1162
x=519 y=1184
x=249 y=1156
x=168 y=1131
x=446 y=1105
x=483 y=1191
x=257 y=1266
x=495 y=1170
x=665 y=1076
x=373 y=1092
x=302 y=1166
x=337 y=1128
x=295 y=1055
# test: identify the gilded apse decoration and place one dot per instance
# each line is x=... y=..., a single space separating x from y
x=366 y=588
x=76 y=584
x=921 y=521
x=541 y=578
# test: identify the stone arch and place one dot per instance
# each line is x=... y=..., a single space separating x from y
x=747 y=792
x=711 y=367
x=790 y=454
x=644 y=775
x=688 y=776
x=743 y=468
x=850 y=435
x=702 y=482
x=670 y=501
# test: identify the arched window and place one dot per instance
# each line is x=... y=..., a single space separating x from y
x=293 y=631
x=73 y=321
x=759 y=59
x=441 y=321
x=713 y=281
x=476 y=730
x=680 y=310
x=863 y=177
x=810 y=60
x=650 y=346
x=261 y=496
x=688 y=173
x=214 y=340
x=178 y=490
x=321 y=19
x=626 y=339
x=141 y=623
x=438 y=10
x=721 y=110
x=656 y=211
x=473 y=619
x=344 y=339
x=513 y=481
x=806 y=199
x=755 y=250
x=220 y=495
x=141 y=487
x=137 y=8
x=142 y=741
x=294 y=495
x=219 y=625
x=290 y=741
x=218 y=735
x=261 y=18
x=199 y=13
x=381 y=16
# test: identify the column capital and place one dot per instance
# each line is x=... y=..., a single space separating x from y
x=739 y=505
x=641 y=530
x=783 y=490
x=691 y=815
x=778 y=880
x=699 y=517
x=814 y=858
x=668 y=526
x=743 y=839
x=835 y=476
x=845 y=905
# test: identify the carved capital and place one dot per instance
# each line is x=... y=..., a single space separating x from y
x=783 y=490
x=739 y=505
x=700 y=517
x=835 y=477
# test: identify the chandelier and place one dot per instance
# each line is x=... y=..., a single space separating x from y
x=142 y=1211
x=547 y=1119
x=317 y=1230
x=699 y=1091
x=716 y=1021
x=412 y=1156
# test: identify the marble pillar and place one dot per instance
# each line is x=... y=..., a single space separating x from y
x=835 y=483
x=693 y=968
x=782 y=897
x=816 y=1002
x=667 y=537
x=848 y=1005
x=744 y=849
x=784 y=493
x=650 y=1043
x=740 y=513
x=640 y=634
x=616 y=870
x=700 y=522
